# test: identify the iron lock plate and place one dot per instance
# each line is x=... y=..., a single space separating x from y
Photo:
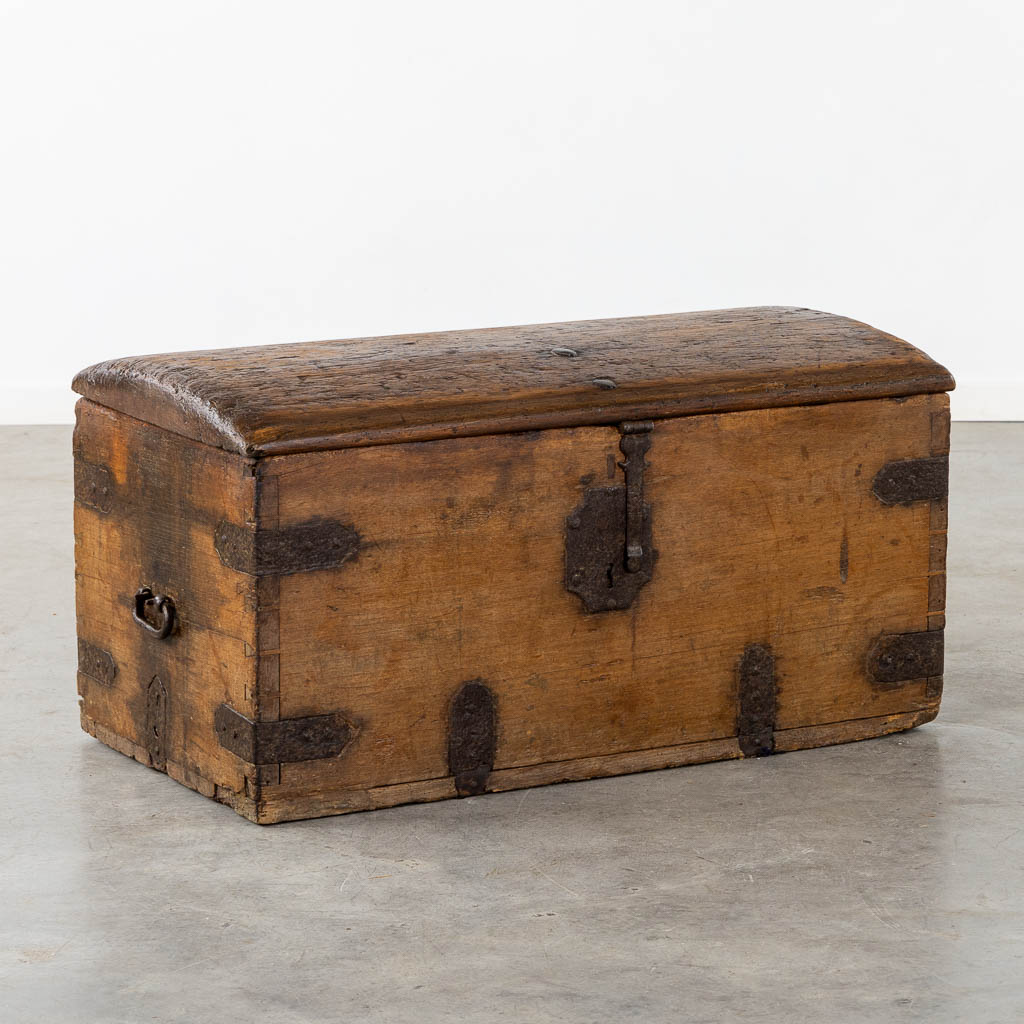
x=609 y=552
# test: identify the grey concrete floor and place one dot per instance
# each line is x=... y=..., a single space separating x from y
x=880 y=881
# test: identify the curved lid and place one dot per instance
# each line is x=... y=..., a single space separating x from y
x=315 y=395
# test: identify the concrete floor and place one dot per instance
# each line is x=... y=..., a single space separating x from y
x=880 y=881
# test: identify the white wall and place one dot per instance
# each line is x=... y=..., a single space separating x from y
x=198 y=174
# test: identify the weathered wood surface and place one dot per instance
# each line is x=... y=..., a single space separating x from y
x=321 y=803
x=767 y=532
x=165 y=496
x=333 y=394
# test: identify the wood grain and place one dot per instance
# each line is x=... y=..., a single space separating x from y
x=366 y=391
x=767 y=532
x=167 y=496
x=277 y=806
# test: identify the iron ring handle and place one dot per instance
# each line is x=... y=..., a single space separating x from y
x=161 y=604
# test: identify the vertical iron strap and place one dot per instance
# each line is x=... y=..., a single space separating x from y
x=634 y=444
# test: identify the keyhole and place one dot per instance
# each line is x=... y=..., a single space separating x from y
x=611 y=575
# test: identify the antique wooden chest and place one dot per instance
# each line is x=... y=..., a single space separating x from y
x=326 y=577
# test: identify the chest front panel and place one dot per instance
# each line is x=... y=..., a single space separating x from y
x=768 y=534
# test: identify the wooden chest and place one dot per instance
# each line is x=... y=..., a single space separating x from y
x=333 y=576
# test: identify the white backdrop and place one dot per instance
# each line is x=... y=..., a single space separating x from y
x=198 y=174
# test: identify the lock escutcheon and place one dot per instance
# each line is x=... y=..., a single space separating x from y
x=609 y=553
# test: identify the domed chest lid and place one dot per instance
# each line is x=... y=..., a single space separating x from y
x=309 y=396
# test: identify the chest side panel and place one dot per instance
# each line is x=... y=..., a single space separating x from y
x=147 y=506
x=768 y=534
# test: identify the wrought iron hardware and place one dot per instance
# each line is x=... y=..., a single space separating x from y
x=609 y=554
x=96 y=663
x=910 y=480
x=472 y=737
x=755 y=718
x=897 y=658
x=162 y=608
x=634 y=444
x=285 y=741
x=315 y=544
x=155 y=735
x=94 y=485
